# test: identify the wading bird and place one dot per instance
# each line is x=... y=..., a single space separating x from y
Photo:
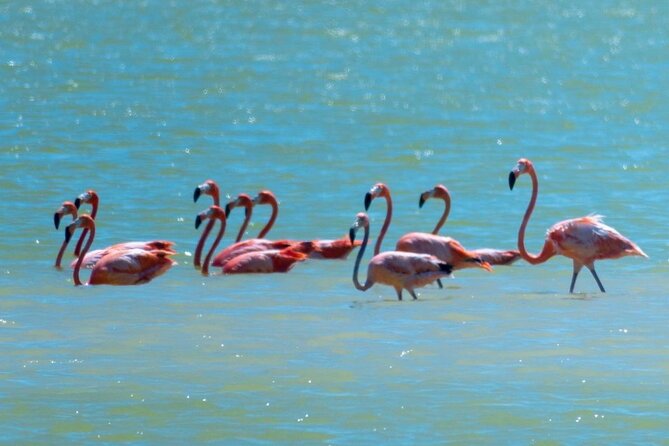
x=121 y=267
x=400 y=270
x=583 y=240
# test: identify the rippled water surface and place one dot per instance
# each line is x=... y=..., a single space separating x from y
x=318 y=101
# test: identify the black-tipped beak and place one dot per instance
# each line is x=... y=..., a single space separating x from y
x=56 y=219
x=368 y=200
x=512 y=180
x=228 y=208
x=421 y=201
x=246 y=212
x=198 y=221
x=68 y=233
x=196 y=194
x=77 y=202
x=351 y=235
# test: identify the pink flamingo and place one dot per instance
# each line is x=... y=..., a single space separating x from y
x=492 y=256
x=121 y=267
x=251 y=261
x=400 y=270
x=67 y=208
x=91 y=197
x=241 y=200
x=213 y=213
x=583 y=240
x=445 y=249
x=210 y=188
x=255 y=244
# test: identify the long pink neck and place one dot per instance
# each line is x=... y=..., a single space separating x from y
x=272 y=219
x=548 y=251
x=368 y=283
x=247 y=219
x=386 y=223
x=444 y=216
x=200 y=243
x=60 y=254
x=205 y=266
x=94 y=211
x=77 y=267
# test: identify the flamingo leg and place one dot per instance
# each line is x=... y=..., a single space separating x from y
x=441 y=285
x=594 y=274
x=399 y=293
x=413 y=293
x=577 y=269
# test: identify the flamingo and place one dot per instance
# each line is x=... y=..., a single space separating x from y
x=67 y=208
x=213 y=213
x=492 y=256
x=121 y=267
x=209 y=187
x=252 y=261
x=400 y=270
x=583 y=240
x=254 y=244
x=91 y=197
x=445 y=249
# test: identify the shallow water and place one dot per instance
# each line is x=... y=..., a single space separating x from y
x=317 y=102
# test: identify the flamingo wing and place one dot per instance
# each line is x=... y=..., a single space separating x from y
x=130 y=267
x=267 y=261
x=247 y=246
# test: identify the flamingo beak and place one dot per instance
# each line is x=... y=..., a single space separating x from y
x=423 y=199
x=198 y=221
x=56 y=219
x=228 y=208
x=368 y=200
x=351 y=234
x=512 y=179
x=77 y=202
x=69 y=230
x=196 y=194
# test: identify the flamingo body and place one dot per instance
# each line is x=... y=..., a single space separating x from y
x=587 y=239
x=266 y=261
x=247 y=246
x=445 y=249
x=130 y=267
x=333 y=249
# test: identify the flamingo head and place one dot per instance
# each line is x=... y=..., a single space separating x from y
x=241 y=200
x=438 y=191
x=265 y=197
x=213 y=212
x=67 y=208
x=378 y=190
x=209 y=187
x=83 y=221
x=361 y=221
x=524 y=166
x=90 y=197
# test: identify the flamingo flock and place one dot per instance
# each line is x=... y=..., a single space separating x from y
x=419 y=258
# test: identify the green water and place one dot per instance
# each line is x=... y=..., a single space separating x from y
x=318 y=101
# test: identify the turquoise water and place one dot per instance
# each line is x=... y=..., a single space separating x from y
x=318 y=101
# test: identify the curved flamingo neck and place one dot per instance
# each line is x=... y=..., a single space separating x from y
x=548 y=250
x=59 y=258
x=87 y=246
x=247 y=219
x=272 y=219
x=444 y=216
x=200 y=243
x=386 y=223
x=368 y=284
x=94 y=202
x=217 y=240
